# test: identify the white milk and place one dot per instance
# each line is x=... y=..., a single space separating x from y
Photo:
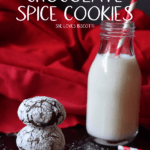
x=113 y=97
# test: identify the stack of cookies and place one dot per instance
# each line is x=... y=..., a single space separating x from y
x=41 y=115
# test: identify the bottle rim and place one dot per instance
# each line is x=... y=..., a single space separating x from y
x=117 y=28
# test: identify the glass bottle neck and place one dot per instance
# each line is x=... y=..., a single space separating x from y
x=114 y=32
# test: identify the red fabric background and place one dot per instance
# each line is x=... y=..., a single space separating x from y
x=38 y=59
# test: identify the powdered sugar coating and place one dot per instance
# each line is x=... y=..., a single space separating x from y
x=41 y=111
x=40 y=138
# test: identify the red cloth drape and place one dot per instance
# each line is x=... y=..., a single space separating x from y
x=36 y=58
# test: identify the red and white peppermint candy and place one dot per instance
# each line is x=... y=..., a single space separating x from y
x=127 y=148
x=121 y=41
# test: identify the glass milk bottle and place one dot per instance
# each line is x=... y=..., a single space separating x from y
x=114 y=85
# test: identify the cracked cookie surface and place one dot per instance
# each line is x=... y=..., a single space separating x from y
x=41 y=111
x=40 y=138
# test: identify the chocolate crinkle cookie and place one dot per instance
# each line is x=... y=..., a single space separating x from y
x=41 y=111
x=39 y=138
